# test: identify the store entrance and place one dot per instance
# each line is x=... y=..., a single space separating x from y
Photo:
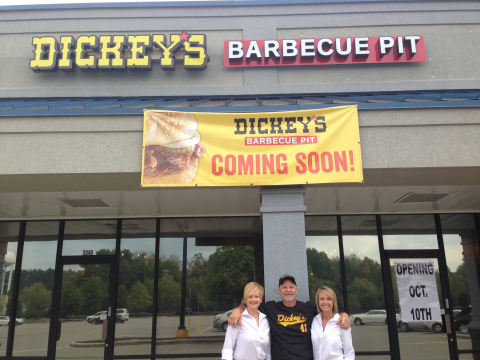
x=75 y=337
x=418 y=289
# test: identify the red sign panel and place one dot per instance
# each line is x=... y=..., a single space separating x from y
x=327 y=51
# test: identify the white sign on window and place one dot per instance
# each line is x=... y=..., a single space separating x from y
x=417 y=290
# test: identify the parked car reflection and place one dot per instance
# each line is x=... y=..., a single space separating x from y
x=373 y=316
x=5 y=320
x=420 y=325
x=188 y=311
x=95 y=319
x=462 y=319
x=221 y=320
x=122 y=315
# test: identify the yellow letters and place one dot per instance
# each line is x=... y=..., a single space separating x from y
x=140 y=45
x=167 y=61
x=109 y=52
x=199 y=62
x=112 y=48
x=83 y=60
x=46 y=51
x=68 y=47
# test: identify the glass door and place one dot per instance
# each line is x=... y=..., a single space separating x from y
x=84 y=324
x=422 y=309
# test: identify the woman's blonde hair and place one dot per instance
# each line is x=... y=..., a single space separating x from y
x=252 y=287
x=331 y=294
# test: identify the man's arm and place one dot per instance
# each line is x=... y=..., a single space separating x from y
x=236 y=316
x=344 y=321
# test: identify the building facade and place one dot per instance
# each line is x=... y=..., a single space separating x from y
x=86 y=237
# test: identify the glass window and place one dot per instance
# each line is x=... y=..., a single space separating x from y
x=410 y=232
x=36 y=285
x=9 y=232
x=84 y=297
x=135 y=288
x=83 y=307
x=230 y=227
x=92 y=237
x=216 y=276
x=219 y=264
x=461 y=250
x=364 y=283
x=323 y=256
x=415 y=232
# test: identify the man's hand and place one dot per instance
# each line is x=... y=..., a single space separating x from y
x=344 y=321
x=236 y=316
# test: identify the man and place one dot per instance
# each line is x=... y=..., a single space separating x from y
x=290 y=322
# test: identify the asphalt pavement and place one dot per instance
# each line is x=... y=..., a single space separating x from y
x=132 y=339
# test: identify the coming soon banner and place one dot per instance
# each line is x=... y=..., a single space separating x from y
x=244 y=149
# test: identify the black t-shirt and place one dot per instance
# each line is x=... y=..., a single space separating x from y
x=290 y=329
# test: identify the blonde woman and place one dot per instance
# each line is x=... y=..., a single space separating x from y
x=329 y=341
x=251 y=341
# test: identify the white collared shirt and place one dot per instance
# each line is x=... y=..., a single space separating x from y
x=332 y=344
x=249 y=341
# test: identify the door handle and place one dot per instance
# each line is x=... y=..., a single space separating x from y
x=448 y=324
x=59 y=330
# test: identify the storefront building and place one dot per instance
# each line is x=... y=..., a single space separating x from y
x=82 y=241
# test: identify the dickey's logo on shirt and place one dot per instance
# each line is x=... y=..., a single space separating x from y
x=290 y=320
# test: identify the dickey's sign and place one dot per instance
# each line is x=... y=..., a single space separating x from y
x=118 y=52
x=136 y=52
x=357 y=50
x=242 y=149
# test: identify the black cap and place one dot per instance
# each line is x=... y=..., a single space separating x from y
x=286 y=277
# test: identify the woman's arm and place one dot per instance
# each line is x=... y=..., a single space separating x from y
x=269 y=350
x=229 y=344
x=348 y=351
x=344 y=320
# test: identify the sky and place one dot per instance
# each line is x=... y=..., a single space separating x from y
x=367 y=246
x=362 y=246
x=168 y=246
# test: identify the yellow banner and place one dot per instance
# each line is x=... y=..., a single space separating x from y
x=244 y=149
